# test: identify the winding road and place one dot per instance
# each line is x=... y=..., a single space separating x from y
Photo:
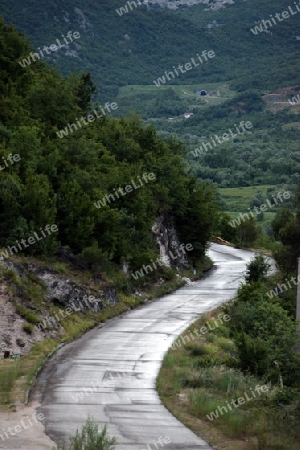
x=110 y=372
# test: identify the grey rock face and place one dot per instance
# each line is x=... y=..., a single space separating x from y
x=60 y=291
x=168 y=242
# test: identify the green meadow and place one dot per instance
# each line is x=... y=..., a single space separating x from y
x=152 y=101
x=237 y=200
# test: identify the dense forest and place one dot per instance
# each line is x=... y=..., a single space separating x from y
x=138 y=47
x=61 y=180
x=125 y=54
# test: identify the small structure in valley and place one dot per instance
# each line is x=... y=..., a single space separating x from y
x=203 y=92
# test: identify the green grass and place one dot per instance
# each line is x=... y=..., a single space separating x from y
x=61 y=268
x=186 y=97
x=237 y=199
x=9 y=373
x=292 y=125
x=203 y=375
x=28 y=328
x=190 y=89
x=27 y=314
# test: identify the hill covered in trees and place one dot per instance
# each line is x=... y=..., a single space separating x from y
x=139 y=46
x=103 y=185
x=126 y=53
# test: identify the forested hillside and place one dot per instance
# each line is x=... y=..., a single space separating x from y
x=266 y=154
x=125 y=53
x=74 y=181
x=139 y=46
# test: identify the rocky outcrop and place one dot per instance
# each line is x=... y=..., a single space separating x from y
x=172 y=252
x=64 y=292
x=12 y=336
x=59 y=291
x=83 y=21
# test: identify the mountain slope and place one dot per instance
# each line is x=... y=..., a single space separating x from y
x=139 y=46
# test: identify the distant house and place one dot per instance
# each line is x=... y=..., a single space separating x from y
x=187 y=115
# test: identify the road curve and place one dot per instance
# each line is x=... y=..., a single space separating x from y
x=117 y=365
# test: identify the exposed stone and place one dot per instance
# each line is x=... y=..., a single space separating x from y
x=169 y=245
x=110 y=295
x=12 y=334
x=84 y=23
x=60 y=291
x=20 y=343
x=187 y=280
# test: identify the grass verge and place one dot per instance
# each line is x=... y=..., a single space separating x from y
x=200 y=375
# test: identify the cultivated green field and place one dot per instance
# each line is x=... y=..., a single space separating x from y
x=238 y=200
x=171 y=100
x=182 y=90
x=292 y=125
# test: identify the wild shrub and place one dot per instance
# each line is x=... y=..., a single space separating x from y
x=257 y=269
x=90 y=438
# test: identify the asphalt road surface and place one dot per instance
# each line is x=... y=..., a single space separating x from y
x=110 y=372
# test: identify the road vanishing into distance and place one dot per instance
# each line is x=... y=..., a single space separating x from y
x=110 y=372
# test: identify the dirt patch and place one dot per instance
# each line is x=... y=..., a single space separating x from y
x=28 y=431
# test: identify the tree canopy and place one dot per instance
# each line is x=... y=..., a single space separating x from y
x=60 y=180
